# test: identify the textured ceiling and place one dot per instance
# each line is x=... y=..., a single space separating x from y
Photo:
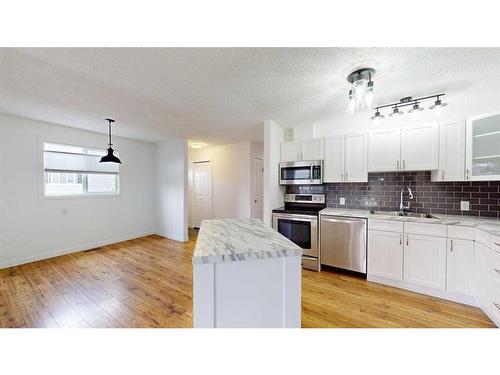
x=220 y=95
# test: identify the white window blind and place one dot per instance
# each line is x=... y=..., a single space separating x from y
x=73 y=170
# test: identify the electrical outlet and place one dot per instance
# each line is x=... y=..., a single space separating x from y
x=342 y=201
x=464 y=206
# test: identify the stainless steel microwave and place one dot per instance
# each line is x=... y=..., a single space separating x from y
x=301 y=172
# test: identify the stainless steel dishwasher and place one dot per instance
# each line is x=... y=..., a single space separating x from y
x=343 y=242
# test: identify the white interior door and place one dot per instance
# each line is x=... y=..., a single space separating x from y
x=257 y=187
x=202 y=192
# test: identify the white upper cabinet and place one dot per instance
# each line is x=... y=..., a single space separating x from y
x=459 y=266
x=355 y=158
x=345 y=158
x=313 y=149
x=483 y=147
x=425 y=261
x=419 y=147
x=290 y=151
x=384 y=150
x=334 y=159
x=451 y=166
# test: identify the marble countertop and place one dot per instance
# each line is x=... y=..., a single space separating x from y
x=486 y=224
x=232 y=240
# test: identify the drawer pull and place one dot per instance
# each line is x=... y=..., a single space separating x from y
x=451 y=245
x=496 y=305
x=496 y=243
x=496 y=270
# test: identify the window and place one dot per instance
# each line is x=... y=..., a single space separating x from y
x=73 y=170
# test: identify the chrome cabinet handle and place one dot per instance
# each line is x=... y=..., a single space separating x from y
x=342 y=176
x=467 y=174
x=496 y=305
x=451 y=245
x=442 y=174
x=404 y=165
x=346 y=176
x=397 y=165
x=407 y=240
x=496 y=270
x=496 y=243
x=400 y=239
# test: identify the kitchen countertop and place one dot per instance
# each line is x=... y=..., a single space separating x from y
x=232 y=240
x=489 y=225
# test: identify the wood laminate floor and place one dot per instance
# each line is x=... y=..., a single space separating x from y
x=147 y=282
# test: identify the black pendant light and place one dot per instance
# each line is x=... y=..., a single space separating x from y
x=110 y=157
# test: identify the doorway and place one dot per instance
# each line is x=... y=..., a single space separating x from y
x=257 y=188
x=202 y=192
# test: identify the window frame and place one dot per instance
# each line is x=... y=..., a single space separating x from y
x=41 y=176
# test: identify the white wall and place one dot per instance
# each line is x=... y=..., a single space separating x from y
x=231 y=178
x=32 y=227
x=171 y=189
x=274 y=134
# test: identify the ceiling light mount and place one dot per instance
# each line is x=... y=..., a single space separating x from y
x=361 y=91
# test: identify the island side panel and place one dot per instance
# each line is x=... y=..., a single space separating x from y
x=293 y=292
x=204 y=295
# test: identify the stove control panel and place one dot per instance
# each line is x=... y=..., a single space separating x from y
x=305 y=198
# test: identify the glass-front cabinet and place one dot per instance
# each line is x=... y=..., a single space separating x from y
x=483 y=147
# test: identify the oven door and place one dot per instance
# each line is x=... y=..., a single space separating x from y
x=300 y=229
x=301 y=173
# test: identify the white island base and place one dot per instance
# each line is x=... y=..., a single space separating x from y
x=245 y=288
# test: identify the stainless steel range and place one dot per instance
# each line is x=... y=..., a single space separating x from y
x=298 y=221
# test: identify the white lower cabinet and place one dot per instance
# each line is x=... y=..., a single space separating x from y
x=459 y=261
x=425 y=261
x=385 y=254
x=482 y=274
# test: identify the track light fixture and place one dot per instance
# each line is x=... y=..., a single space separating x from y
x=437 y=107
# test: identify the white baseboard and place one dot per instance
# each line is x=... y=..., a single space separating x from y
x=73 y=249
x=174 y=236
x=466 y=300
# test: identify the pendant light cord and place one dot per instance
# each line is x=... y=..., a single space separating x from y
x=110 y=144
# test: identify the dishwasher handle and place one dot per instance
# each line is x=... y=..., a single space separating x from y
x=336 y=219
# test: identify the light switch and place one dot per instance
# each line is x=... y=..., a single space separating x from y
x=342 y=201
x=464 y=205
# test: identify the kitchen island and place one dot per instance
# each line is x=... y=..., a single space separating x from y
x=245 y=274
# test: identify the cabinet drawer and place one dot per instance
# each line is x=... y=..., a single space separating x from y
x=495 y=303
x=495 y=267
x=482 y=237
x=460 y=232
x=386 y=225
x=426 y=229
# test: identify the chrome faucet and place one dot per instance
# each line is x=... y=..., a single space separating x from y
x=402 y=207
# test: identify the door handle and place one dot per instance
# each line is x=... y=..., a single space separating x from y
x=467 y=174
x=400 y=239
x=407 y=240
x=451 y=245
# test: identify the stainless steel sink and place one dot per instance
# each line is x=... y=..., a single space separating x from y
x=406 y=214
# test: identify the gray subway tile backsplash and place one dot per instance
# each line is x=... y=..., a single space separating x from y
x=382 y=191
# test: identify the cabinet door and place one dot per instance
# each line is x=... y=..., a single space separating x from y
x=384 y=150
x=419 y=148
x=290 y=151
x=451 y=152
x=482 y=271
x=425 y=261
x=459 y=266
x=313 y=149
x=385 y=254
x=334 y=159
x=483 y=150
x=355 y=158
